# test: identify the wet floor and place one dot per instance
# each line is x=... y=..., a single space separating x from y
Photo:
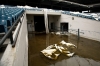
x=87 y=52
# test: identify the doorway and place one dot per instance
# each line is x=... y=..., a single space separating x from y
x=64 y=27
x=39 y=23
x=52 y=25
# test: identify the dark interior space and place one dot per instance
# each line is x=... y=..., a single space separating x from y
x=52 y=26
x=64 y=27
x=39 y=23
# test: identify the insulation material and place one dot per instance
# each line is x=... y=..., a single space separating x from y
x=53 y=51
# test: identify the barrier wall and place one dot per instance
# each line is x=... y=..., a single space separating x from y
x=88 y=28
x=17 y=56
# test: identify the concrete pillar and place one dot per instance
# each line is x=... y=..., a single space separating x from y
x=46 y=20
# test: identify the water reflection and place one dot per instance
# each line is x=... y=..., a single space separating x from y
x=47 y=40
x=78 y=44
x=87 y=53
x=76 y=61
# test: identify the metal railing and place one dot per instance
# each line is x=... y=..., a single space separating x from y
x=9 y=33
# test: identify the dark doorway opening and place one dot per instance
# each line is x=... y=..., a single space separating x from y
x=64 y=27
x=52 y=26
x=39 y=23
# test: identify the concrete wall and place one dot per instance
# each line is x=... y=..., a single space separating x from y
x=21 y=57
x=89 y=28
x=54 y=19
x=17 y=56
x=50 y=20
x=30 y=21
x=34 y=12
x=42 y=12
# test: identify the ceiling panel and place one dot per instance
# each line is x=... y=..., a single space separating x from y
x=73 y=5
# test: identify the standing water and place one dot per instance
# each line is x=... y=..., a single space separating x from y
x=86 y=54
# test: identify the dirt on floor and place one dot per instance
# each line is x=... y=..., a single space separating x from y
x=86 y=49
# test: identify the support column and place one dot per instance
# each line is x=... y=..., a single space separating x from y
x=46 y=20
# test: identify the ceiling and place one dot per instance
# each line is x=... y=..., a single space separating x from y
x=71 y=5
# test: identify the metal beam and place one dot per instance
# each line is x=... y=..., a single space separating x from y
x=75 y=3
x=93 y=5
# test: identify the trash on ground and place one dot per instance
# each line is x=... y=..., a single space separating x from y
x=61 y=33
x=67 y=44
x=53 y=51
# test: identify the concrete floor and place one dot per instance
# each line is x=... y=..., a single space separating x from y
x=86 y=54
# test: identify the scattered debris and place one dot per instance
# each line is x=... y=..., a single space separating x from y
x=53 y=51
x=50 y=53
x=58 y=33
x=68 y=44
x=61 y=33
x=70 y=54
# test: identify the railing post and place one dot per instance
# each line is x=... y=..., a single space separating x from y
x=11 y=37
x=62 y=29
x=16 y=36
x=78 y=34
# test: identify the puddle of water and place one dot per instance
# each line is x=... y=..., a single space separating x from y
x=86 y=54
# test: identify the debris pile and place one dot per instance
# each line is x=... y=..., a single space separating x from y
x=53 y=51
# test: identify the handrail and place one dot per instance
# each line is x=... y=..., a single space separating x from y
x=14 y=42
x=10 y=32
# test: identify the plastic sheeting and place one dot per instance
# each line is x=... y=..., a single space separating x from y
x=53 y=51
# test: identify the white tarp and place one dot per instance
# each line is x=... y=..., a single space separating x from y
x=53 y=51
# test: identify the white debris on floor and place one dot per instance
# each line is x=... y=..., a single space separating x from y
x=50 y=53
x=61 y=33
x=53 y=51
x=67 y=44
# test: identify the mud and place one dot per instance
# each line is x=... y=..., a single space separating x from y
x=86 y=54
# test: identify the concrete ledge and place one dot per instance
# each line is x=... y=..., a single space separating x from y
x=34 y=12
